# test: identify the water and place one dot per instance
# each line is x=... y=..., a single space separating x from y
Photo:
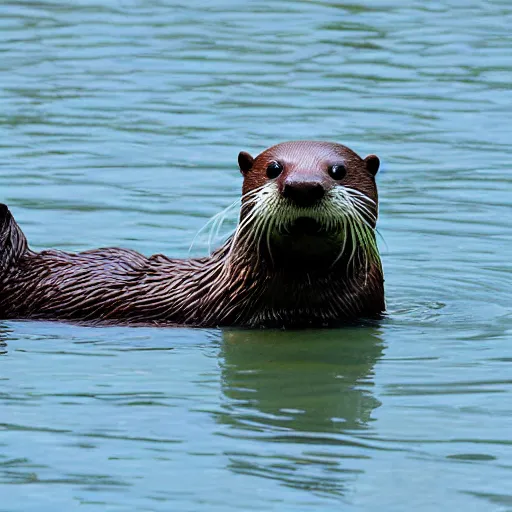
x=120 y=125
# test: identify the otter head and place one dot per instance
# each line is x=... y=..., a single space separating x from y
x=307 y=200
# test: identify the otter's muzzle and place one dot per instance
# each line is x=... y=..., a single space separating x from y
x=303 y=193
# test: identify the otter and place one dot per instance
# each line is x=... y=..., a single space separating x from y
x=303 y=254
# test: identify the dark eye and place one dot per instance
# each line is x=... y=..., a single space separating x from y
x=274 y=169
x=337 y=172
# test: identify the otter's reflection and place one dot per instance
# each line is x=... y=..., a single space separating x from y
x=295 y=402
x=4 y=335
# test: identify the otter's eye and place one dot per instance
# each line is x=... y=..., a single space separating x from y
x=337 y=172
x=274 y=169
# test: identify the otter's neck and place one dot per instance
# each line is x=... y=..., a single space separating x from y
x=252 y=289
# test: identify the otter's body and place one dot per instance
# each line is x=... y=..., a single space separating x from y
x=302 y=255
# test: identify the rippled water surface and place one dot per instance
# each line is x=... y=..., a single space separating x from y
x=120 y=123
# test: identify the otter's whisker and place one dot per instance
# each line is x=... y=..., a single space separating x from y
x=239 y=232
x=269 y=229
x=262 y=227
x=345 y=234
x=353 y=241
x=257 y=201
x=367 y=215
x=211 y=221
x=216 y=221
x=356 y=192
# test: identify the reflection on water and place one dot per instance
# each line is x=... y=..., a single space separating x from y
x=4 y=332
x=301 y=396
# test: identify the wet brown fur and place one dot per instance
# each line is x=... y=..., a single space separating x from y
x=293 y=287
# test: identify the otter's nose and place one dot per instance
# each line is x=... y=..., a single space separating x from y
x=303 y=193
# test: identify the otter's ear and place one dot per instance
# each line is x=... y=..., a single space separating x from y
x=372 y=164
x=245 y=162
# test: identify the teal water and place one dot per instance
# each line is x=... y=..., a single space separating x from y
x=120 y=123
